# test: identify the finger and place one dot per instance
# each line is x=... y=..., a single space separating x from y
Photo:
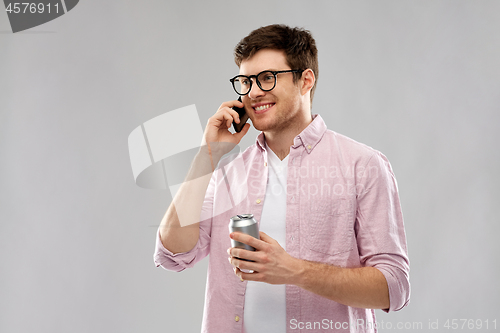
x=230 y=115
x=243 y=254
x=235 y=115
x=228 y=107
x=230 y=104
x=255 y=276
x=238 y=103
x=242 y=264
x=268 y=239
x=226 y=118
x=219 y=119
x=224 y=112
x=265 y=237
x=238 y=273
x=246 y=239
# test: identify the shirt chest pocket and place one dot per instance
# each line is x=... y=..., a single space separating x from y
x=328 y=225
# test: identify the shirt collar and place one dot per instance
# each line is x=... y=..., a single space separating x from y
x=261 y=141
x=308 y=138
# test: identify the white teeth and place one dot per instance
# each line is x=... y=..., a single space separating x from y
x=263 y=107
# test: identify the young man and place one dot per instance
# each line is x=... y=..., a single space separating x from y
x=332 y=244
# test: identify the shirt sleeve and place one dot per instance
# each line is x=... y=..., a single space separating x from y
x=380 y=230
x=179 y=261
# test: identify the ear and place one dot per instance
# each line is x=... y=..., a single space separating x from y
x=308 y=79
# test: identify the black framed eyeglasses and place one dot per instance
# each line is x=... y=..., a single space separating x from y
x=266 y=80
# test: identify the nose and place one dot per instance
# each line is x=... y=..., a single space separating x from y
x=255 y=91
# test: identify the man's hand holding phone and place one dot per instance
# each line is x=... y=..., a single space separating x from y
x=217 y=130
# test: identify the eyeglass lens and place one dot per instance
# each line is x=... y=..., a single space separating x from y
x=265 y=80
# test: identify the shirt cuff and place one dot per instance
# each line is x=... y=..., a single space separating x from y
x=398 y=285
x=173 y=261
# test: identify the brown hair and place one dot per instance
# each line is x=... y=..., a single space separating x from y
x=297 y=43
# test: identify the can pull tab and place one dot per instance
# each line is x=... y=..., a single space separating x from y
x=245 y=216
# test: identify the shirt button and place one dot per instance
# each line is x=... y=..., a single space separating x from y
x=291 y=237
x=258 y=201
x=237 y=318
x=308 y=146
x=265 y=164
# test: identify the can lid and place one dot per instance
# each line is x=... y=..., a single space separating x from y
x=245 y=216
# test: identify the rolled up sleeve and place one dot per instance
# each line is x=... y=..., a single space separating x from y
x=178 y=261
x=380 y=229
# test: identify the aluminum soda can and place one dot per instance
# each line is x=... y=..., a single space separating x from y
x=246 y=224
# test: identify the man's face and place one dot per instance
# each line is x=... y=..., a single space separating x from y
x=275 y=110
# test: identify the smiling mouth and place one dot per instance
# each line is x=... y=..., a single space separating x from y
x=263 y=108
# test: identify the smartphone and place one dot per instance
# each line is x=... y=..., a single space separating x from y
x=243 y=117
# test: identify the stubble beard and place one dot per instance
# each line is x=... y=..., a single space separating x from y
x=282 y=118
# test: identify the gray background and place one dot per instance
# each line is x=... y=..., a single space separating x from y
x=417 y=80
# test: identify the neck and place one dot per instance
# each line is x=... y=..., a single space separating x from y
x=280 y=141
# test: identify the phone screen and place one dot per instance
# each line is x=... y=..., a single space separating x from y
x=243 y=117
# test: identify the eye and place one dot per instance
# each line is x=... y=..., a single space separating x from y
x=266 y=77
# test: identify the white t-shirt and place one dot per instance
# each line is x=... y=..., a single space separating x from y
x=265 y=304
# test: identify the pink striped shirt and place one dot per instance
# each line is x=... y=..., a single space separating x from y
x=343 y=209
